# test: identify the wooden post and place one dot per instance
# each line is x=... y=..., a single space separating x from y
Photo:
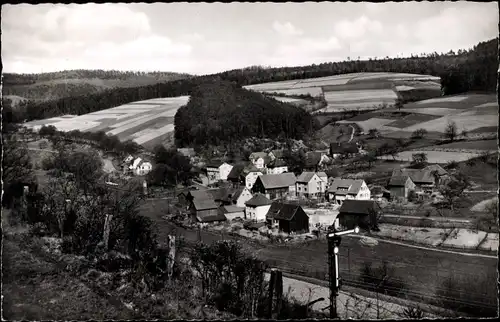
x=107 y=227
x=171 y=256
x=272 y=282
x=279 y=292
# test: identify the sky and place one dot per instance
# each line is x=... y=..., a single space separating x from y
x=205 y=38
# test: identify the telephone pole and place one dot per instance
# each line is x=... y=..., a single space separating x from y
x=334 y=239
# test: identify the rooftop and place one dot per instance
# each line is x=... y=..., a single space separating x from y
x=353 y=185
x=258 y=200
x=274 y=181
x=398 y=181
x=363 y=207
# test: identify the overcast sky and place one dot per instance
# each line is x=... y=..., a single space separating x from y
x=202 y=38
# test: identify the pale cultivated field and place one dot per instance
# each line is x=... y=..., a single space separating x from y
x=426 y=236
x=289 y=99
x=491 y=104
x=481 y=205
x=434 y=156
x=136 y=120
x=490 y=243
x=373 y=123
x=354 y=95
x=442 y=100
x=433 y=110
x=402 y=88
x=469 y=120
x=464 y=238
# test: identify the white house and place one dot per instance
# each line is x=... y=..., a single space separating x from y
x=241 y=196
x=217 y=171
x=135 y=164
x=342 y=189
x=257 y=208
x=310 y=185
x=259 y=159
x=277 y=167
x=143 y=168
x=250 y=175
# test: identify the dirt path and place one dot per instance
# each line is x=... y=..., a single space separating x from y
x=352 y=134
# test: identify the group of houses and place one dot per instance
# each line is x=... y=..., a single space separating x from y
x=136 y=166
x=421 y=181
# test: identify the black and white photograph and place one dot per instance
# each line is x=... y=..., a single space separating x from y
x=241 y=160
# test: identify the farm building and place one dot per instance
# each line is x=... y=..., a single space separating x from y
x=343 y=189
x=234 y=176
x=139 y=167
x=240 y=196
x=259 y=159
x=440 y=175
x=289 y=218
x=361 y=213
x=343 y=149
x=422 y=178
x=379 y=192
x=316 y=160
x=204 y=209
x=277 y=166
x=249 y=176
x=275 y=185
x=257 y=207
x=217 y=171
x=276 y=154
x=400 y=186
x=310 y=185
x=232 y=212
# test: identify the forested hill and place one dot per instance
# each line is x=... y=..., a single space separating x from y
x=223 y=113
x=472 y=70
x=50 y=86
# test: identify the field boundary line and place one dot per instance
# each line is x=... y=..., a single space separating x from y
x=482 y=241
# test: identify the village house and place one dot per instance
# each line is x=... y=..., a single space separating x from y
x=275 y=186
x=344 y=149
x=440 y=175
x=259 y=159
x=288 y=218
x=361 y=213
x=343 y=189
x=249 y=176
x=277 y=166
x=316 y=160
x=188 y=153
x=423 y=179
x=310 y=185
x=400 y=186
x=232 y=212
x=137 y=166
x=240 y=196
x=234 y=176
x=203 y=208
x=257 y=208
x=218 y=171
x=276 y=155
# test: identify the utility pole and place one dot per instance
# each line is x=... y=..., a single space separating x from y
x=334 y=239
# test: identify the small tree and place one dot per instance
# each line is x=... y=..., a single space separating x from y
x=419 y=134
x=451 y=132
x=373 y=133
x=454 y=188
x=419 y=159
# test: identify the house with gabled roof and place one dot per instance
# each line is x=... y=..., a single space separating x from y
x=316 y=160
x=218 y=170
x=240 y=196
x=276 y=154
x=361 y=213
x=277 y=166
x=345 y=149
x=249 y=175
x=343 y=189
x=400 y=186
x=259 y=159
x=275 y=186
x=422 y=178
x=311 y=185
x=232 y=212
x=203 y=208
x=289 y=218
x=257 y=207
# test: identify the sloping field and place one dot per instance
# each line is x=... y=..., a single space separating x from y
x=462 y=101
x=489 y=145
x=313 y=91
x=142 y=121
x=442 y=157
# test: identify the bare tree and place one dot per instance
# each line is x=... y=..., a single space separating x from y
x=451 y=132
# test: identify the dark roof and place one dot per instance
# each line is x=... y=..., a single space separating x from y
x=313 y=158
x=322 y=174
x=257 y=200
x=248 y=169
x=209 y=218
x=277 y=153
x=215 y=163
x=277 y=163
x=364 y=207
x=237 y=193
x=305 y=177
x=233 y=209
x=398 y=181
x=274 y=181
x=416 y=175
x=282 y=211
x=352 y=185
x=235 y=172
x=204 y=204
x=340 y=148
x=438 y=168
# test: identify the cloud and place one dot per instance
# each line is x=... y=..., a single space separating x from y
x=358 y=28
x=286 y=29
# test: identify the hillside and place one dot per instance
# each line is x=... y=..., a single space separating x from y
x=50 y=86
x=473 y=70
x=221 y=112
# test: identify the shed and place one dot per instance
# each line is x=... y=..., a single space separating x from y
x=232 y=212
x=361 y=213
x=289 y=217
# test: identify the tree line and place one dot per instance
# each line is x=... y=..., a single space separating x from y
x=222 y=112
x=470 y=70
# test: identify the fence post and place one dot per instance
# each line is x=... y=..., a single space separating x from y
x=272 y=282
x=279 y=292
x=171 y=256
